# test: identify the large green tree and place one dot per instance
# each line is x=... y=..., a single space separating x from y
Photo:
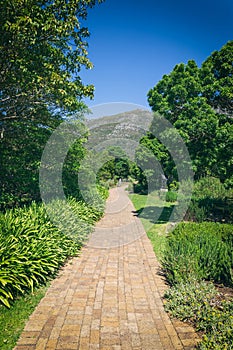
x=217 y=80
x=42 y=50
x=43 y=47
x=199 y=103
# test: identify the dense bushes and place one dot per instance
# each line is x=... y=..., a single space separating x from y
x=203 y=251
x=196 y=255
x=32 y=248
x=211 y=201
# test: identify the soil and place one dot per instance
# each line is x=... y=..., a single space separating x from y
x=226 y=293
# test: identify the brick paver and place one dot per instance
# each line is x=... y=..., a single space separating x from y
x=111 y=296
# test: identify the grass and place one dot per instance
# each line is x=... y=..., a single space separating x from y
x=12 y=321
x=154 y=214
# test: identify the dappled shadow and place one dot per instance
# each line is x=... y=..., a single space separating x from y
x=156 y=215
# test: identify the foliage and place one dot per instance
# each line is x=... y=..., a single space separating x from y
x=201 y=304
x=140 y=188
x=148 y=171
x=202 y=251
x=210 y=201
x=42 y=50
x=219 y=326
x=116 y=165
x=187 y=299
x=20 y=154
x=171 y=196
x=196 y=213
x=216 y=74
x=73 y=160
x=198 y=102
x=209 y=187
x=32 y=248
x=20 y=162
x=103 y=192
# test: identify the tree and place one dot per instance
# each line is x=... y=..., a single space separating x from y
x=115 y=164
x=198 y=102
x=217 y=79
x=42 y=50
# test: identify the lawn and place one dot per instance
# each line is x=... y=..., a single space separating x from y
x=12 y=321
x=154 y=214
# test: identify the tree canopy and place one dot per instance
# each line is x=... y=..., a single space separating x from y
x=42 y=50
x=43 y=47
x=199 y=103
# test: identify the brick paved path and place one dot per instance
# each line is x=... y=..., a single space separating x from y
x=110 y=297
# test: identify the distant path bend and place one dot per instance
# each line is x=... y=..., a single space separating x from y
x=109 y=298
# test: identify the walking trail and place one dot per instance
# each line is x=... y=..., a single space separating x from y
x=110 y=297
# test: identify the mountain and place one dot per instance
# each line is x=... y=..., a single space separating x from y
x=124 y=130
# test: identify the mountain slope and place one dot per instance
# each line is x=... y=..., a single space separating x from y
x=124 y=129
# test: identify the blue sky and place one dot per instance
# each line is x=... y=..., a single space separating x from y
x=134 y=43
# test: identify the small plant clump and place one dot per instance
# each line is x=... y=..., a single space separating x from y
x=171 y=196
x=201 y=304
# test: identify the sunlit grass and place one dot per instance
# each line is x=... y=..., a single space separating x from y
x=13 y=320
x=154 y=215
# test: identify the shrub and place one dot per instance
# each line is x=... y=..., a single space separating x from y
x=32 y=248
x=209 y=187
x=173 y=186
x=200 y=251
x=218 y=324
x=200 y=303
x=139 y=188
x=171 y=196
x=196 y=213
x=103 y=191
x=210 y=201
x=186 y=300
